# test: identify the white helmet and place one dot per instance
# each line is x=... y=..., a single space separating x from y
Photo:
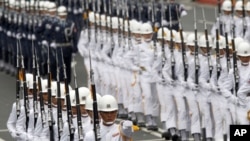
x=135 y=26
x=29 y=80
x=222 y=42
x=89 y=102
x=97 y=18
x=44 y=85
x=177 y=37
x=12 y=3
x=159 y=33
x=91 y=17
x=53 y=88
x=72 y=97
x=22 y=3
x=62 y=10
x=248 y=6
x=146 y=28
x=243 y=49
x=114 y=22
x=168 y=38
x=83 y=94
x=227 y=5
x=237 y=41
x=229 y=38
x=51 y=7
x=126 y=25
x=239 y=5
x=108 y=103
x=103 y=20
x=190 y=39
x=202 y=41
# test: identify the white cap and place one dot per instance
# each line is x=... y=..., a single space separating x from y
x=237 y=41
x=53 y=88
x=108 y=103
x=243 y=49
x=203 y=42
x=51 y=7
x=91 y=17
x=135 y=26
x=44 y=86
x=89 y=102
x=239 y=5
x=222 y=42
x=227 y=5
x=248 y=6
x=83 y=94
x=29 y=80
x=146 y=28
x=114 y=23
x=191 y=39
x=168 y=37
x=178 y=37
x=103 y=20
x=159 y=33
x=62 y=10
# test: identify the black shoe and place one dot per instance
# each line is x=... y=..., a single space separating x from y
x=166 y=135
x=152 y=128
x=141 y=124
x=176 y=138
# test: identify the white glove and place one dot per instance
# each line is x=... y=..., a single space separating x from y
x=8 y=33
x=184 y=84
x=127 y=128
x=192 y=86
x=75 y=11
x=207 y=86
x=45 y=43
x=13 y=134
x=233 y=99
x=33 y=37
x=53 y=45
x=18 y=36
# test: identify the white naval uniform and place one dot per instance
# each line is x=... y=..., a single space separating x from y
x=232 y=99
x=226 y=23
x=11 y=123
x=194 y=112
x=146 y=54
x=222 y=118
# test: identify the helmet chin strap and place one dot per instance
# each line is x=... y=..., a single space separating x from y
x=109 y=123
x=244 y=63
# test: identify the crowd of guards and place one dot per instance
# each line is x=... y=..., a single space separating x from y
x=141 y=63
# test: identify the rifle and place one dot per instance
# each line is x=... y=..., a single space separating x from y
x=35 y=104
x=69 y=110
x=196 y=57
x=183 y=49
x=50 y=114
x=220 y=23
x=111 y=26
x=22 y=78
x=218 y=65
x=78 y=107
x=244 y=17
x=95 y=108
x=171 y=44
x=207 y=45
x=155 y=31
x=235 y=69
x=227 y=53
x=59 y=103
x=163 y=59
x=233 y=26
x=129 y=31
x=18 y=69
x=40 y=93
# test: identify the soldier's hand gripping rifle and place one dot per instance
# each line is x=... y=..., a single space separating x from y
x=59 y=102
x=210 y=67
x=34 y=72
x=50 y=113
x=24 y=89
x=78 y=107
x=69 y=109
x=96 y=121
